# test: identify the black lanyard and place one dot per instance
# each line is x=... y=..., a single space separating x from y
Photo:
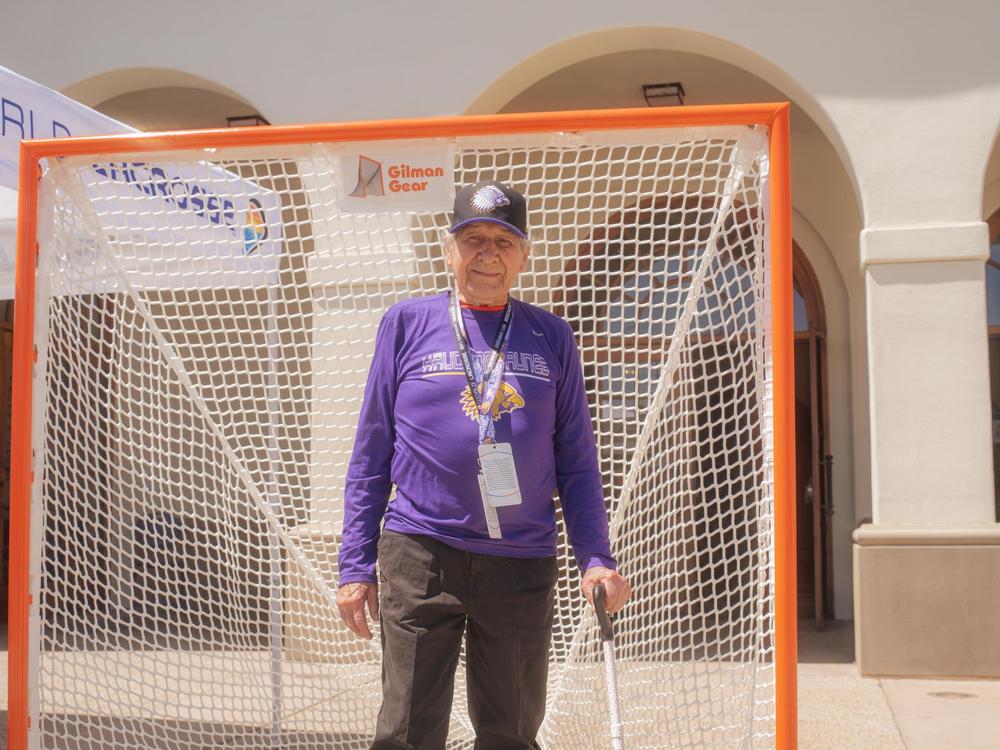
x=462 y=341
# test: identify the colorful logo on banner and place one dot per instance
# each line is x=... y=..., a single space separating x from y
x=398 y=181
x=255 y=229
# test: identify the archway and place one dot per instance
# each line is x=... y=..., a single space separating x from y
x=174 y=108
x=607 y=69
x=160 y=99
x=576 y=55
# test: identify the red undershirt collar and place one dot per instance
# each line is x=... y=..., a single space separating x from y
x=484 y=308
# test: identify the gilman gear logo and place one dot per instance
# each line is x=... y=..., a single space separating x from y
x=373 y=180
x=369 y=178
x=403 y=178
x=507 y=400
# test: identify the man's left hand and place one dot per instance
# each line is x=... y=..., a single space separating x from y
x=616 y=588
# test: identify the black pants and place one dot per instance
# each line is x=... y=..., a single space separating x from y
x=430 y=595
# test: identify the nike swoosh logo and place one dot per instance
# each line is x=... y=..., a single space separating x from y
x=536 y=332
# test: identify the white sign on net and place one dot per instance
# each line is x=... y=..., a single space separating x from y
x=403 y=177
x=185 y=226
x=214 y=228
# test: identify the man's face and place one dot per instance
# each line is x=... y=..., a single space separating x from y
x=486 y=259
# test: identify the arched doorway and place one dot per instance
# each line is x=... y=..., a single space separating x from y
x=631 y=336
x=664 y=298
x=993 y=332
x=161 y=99
x=606 y=69
x=991 y=213
x=174 y=108
x=813 y=460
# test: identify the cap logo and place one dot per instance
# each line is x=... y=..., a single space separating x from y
x=489 y=198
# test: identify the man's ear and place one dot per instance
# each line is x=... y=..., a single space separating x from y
x=449 y=248
x=527 y=254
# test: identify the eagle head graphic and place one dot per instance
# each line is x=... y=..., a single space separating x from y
x=506 y=401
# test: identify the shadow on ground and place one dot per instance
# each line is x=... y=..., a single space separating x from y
x=832 y=643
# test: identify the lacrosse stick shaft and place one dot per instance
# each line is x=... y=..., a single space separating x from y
x=610 y=675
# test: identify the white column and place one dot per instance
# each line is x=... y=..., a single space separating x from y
x=929 y=374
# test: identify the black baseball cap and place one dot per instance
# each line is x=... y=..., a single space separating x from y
x=491 y=201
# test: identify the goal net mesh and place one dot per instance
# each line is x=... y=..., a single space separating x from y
x=196 y=407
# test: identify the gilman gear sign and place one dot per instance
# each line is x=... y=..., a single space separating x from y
x=400 y=179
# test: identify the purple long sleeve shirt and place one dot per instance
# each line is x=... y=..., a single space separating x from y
x=418 y=430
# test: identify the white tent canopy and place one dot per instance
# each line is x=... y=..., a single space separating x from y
x=222 y=248
x=30 y=110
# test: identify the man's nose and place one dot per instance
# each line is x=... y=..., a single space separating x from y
x=489 y=248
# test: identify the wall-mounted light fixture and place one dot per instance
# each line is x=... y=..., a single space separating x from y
x=663 y=94
x=246 y=121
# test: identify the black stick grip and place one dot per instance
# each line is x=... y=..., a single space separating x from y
x=607 y=633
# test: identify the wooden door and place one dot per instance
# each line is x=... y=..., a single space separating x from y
x=6 y=366
x=813 y=461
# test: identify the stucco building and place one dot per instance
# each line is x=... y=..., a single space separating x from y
x=896 y=200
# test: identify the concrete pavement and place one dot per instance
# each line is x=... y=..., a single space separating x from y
x=840 y=710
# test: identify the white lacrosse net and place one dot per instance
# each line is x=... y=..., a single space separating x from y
x=198 y=412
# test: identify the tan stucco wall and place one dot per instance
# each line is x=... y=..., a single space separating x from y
x=928 y=601
x=931 y=444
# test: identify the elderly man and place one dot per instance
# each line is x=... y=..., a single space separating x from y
x=475 y=409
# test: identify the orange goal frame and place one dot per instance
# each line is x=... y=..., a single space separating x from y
x=773 y=116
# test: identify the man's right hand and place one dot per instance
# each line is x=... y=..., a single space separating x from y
x=351 y=600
